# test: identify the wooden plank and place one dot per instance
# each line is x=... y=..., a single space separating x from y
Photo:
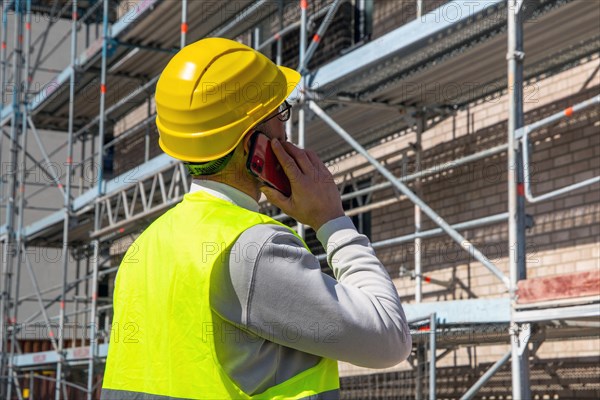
x=559 y=287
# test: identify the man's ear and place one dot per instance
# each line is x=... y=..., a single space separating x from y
x=246 y=142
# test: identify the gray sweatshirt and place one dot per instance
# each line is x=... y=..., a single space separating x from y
x=278 y=314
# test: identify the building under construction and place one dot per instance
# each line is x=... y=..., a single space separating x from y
x=464 y=137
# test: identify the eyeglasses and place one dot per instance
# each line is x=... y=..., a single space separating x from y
x=283 y=114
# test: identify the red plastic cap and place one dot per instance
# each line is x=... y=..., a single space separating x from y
x=569 y=112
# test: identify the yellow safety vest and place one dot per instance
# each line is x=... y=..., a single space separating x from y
x=162 y=337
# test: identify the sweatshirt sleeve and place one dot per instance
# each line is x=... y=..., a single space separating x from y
x=285 y=298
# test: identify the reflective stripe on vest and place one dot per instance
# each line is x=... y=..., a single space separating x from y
x=162 y=336
x=110 y=394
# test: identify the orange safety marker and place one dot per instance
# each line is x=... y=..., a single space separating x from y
x=427 y=279
x=277 y=36
x=303 y=4
x=316 y=38
x=3 y=45
x=520 y=189
x=28 y=26
x=62 y=304
x=569 y=112
x=50 y=333
x=60 y=186
x=121 y=230
x=424 y=328
x=69 y=160
x=74 y=15
x=103 y=88
x=184 y=27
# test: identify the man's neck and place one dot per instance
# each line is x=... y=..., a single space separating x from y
x=225 y=191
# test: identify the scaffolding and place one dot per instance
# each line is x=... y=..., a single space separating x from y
x=353 y=90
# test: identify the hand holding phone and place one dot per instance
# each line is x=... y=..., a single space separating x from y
x=315 y=198
x=263 y=164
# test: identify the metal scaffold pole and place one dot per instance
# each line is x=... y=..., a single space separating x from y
x=516 y=200
x=417 y=187
x=432 y=355
x=302 y=110
x=184 y=24
x=9 y=244
x=3 y=292
x=21 y=183
x=100 y=177
x=278 y=35
x=67 y=203
x=3 y=38
x=421 y=360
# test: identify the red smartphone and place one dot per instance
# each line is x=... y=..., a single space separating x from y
x=263 y=164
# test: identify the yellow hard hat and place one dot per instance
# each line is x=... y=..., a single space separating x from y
x=212 y=93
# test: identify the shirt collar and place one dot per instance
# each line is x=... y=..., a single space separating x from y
x=225 y=192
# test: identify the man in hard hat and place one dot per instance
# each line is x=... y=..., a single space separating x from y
x=215 y=300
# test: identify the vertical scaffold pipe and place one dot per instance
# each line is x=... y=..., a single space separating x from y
x=278 y=36
x=9 y=243
x=519 y=359
x=289 y=127
x=67 y=201
x=3 y=35
x=432 y=355
x=100 y=160
x=302 y=99
x=3 y=46
x=21 y=207
x=184 y=24
x=417 y=186
x=147 y=133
